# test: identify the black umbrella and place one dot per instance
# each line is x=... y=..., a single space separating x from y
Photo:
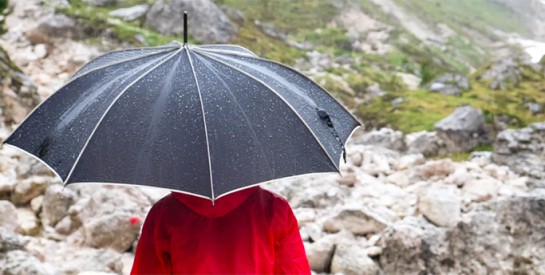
x=205 y=120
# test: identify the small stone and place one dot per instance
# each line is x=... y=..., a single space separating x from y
x=28 y=222
x=481 y=189
x=29 y=188
x=304 y=215
x=353 y=260
x=441 y=205
x=36 y=204
x=358 y=220
x=348 y=179
x=40 y=51
x=8 y=215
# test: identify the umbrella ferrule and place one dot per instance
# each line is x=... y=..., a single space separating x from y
x=185 y=28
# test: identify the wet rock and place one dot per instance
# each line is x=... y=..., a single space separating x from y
x=522 y=150
x=359 y=220
x=441 y=205
x=463 y=130
x=206 y=22
x=30 y=188
x=8 y=215
x=131 y=13
x=57 y=200
x=353 y=260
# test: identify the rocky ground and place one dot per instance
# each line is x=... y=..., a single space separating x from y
x=397 y=208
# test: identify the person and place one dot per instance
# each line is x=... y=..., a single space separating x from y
x=253 y=231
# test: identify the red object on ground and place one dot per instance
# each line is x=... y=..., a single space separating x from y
x=134 y=220
x=252 y=231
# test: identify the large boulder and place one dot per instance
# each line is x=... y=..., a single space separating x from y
x=206 y=22
x=522 y=150
x=462 y=130
x=506 y=236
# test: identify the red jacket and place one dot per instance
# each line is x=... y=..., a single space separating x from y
x=252 y=231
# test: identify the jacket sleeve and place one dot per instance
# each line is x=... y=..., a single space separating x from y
x=290 y=256
x=150 y=258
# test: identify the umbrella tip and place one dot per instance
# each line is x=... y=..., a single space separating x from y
x=185 y=27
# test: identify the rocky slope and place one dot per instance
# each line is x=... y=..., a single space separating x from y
x=398 y=207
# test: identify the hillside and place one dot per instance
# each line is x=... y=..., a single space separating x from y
x=363 y=48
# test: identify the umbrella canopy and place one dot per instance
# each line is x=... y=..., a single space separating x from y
x=205 y=120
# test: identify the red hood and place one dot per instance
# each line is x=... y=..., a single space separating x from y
x=221 y=206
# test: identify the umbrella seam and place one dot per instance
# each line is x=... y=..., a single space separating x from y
x=283 y=99
x=78 y=77
x=204 y=122
x=109 y=107
x=287 y=67
x=112 y=64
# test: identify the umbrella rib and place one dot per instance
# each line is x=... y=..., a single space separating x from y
x=255 y=57
x=84 y=74
x=281 y=98
x=110 y=107
x=204 y=122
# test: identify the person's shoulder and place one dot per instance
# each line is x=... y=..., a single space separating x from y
x=276 y=199
x=164 y=203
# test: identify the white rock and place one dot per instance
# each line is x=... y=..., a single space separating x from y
x=304 y=215
x=441 y=205
x=131 y=13
x=358 y=220
x=408 y=161
x=8 y=215
x=30 y=188
x=36 y=204
x=312 y=231
x=399 y=178
x=56 y=203
x=113 y=231
x=353 y=260
x=320 y=253
x=28 y=222
x=481 y=189
x=40 y=51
